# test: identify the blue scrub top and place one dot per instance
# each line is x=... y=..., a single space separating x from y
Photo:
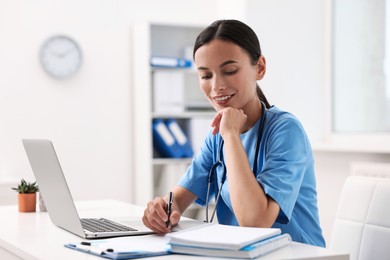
x=285 y=172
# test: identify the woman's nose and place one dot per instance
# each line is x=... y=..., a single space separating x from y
x=218 y=84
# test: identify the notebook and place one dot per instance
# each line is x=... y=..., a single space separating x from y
x=221 y=236
x=59 y=202
x=227 y=241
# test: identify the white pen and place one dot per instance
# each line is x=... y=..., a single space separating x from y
x=89 y=248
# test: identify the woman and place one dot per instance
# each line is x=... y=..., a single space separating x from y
x=257 y=161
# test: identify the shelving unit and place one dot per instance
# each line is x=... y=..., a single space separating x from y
x=154 y=176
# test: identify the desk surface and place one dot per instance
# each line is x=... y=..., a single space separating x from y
x=34 y=236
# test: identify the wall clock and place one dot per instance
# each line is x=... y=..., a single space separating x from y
x=60 y=56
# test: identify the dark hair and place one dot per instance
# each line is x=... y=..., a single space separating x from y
x=238 y=33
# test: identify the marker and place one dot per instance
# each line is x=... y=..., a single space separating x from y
x=169 y=209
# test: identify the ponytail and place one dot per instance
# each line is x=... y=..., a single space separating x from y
x=262 y=97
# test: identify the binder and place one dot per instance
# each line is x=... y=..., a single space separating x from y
x=164 y=142
x=170 y=62
x=180 y=137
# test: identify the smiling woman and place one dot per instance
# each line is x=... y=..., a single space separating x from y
x=256 y=162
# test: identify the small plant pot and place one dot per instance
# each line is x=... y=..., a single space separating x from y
x=27 y=202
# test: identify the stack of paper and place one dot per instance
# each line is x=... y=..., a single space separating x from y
x=227 y=241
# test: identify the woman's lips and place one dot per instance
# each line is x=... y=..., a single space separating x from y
x=221 y=100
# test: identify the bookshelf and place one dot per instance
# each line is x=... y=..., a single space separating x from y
x=153 y=175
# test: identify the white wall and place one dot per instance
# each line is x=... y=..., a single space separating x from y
x=292 y=39
x=89 y=116
x=81 y=115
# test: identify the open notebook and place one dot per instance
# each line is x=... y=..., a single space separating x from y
x=59 y=202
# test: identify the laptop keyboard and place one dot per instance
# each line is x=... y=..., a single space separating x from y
x=96 y=225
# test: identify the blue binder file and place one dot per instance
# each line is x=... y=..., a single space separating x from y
x=170 y=62
x=164 y=142
x=180 y=138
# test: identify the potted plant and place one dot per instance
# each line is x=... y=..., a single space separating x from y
x=27 y=196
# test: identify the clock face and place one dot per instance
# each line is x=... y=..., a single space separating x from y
x=60 y=56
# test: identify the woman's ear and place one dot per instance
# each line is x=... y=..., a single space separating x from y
x=261 y=68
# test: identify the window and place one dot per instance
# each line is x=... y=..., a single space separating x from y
x=361 y=66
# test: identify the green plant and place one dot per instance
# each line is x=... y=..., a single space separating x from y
x=27 y=187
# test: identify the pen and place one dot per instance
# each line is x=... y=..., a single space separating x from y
x=169 y=209
x=89 y=248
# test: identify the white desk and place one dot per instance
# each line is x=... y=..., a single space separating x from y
x=33 y=236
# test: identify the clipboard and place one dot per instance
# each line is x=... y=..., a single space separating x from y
x=124 y=247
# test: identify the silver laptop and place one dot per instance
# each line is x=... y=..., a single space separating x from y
x=59 y=202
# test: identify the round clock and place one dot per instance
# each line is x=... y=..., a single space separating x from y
x=60 y=56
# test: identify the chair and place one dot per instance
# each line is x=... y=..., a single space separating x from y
x=362 y=225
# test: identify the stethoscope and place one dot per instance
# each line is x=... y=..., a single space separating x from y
x=220 y=163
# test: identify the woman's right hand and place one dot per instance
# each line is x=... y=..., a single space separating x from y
x=229 y=120
x=155 y=216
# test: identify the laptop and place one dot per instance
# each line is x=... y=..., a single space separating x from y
x=59 y=202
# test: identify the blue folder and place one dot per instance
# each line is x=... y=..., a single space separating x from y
x=164 y=142
x=170 y=62
x=180 y=137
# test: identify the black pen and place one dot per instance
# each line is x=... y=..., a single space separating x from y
x=169 y=209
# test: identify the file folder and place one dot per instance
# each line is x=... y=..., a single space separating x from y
x=180 y=138
x=164 y=142
x=170 y=62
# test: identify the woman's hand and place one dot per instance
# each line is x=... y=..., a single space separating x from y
x=155 y=216
x=229 y=121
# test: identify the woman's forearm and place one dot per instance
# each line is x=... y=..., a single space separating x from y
x=250 y=204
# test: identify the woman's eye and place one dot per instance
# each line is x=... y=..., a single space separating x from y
x=205 y=76
x=230 y=72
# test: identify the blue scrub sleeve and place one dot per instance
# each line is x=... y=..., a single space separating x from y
x=195 y=178
x=285 y=165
